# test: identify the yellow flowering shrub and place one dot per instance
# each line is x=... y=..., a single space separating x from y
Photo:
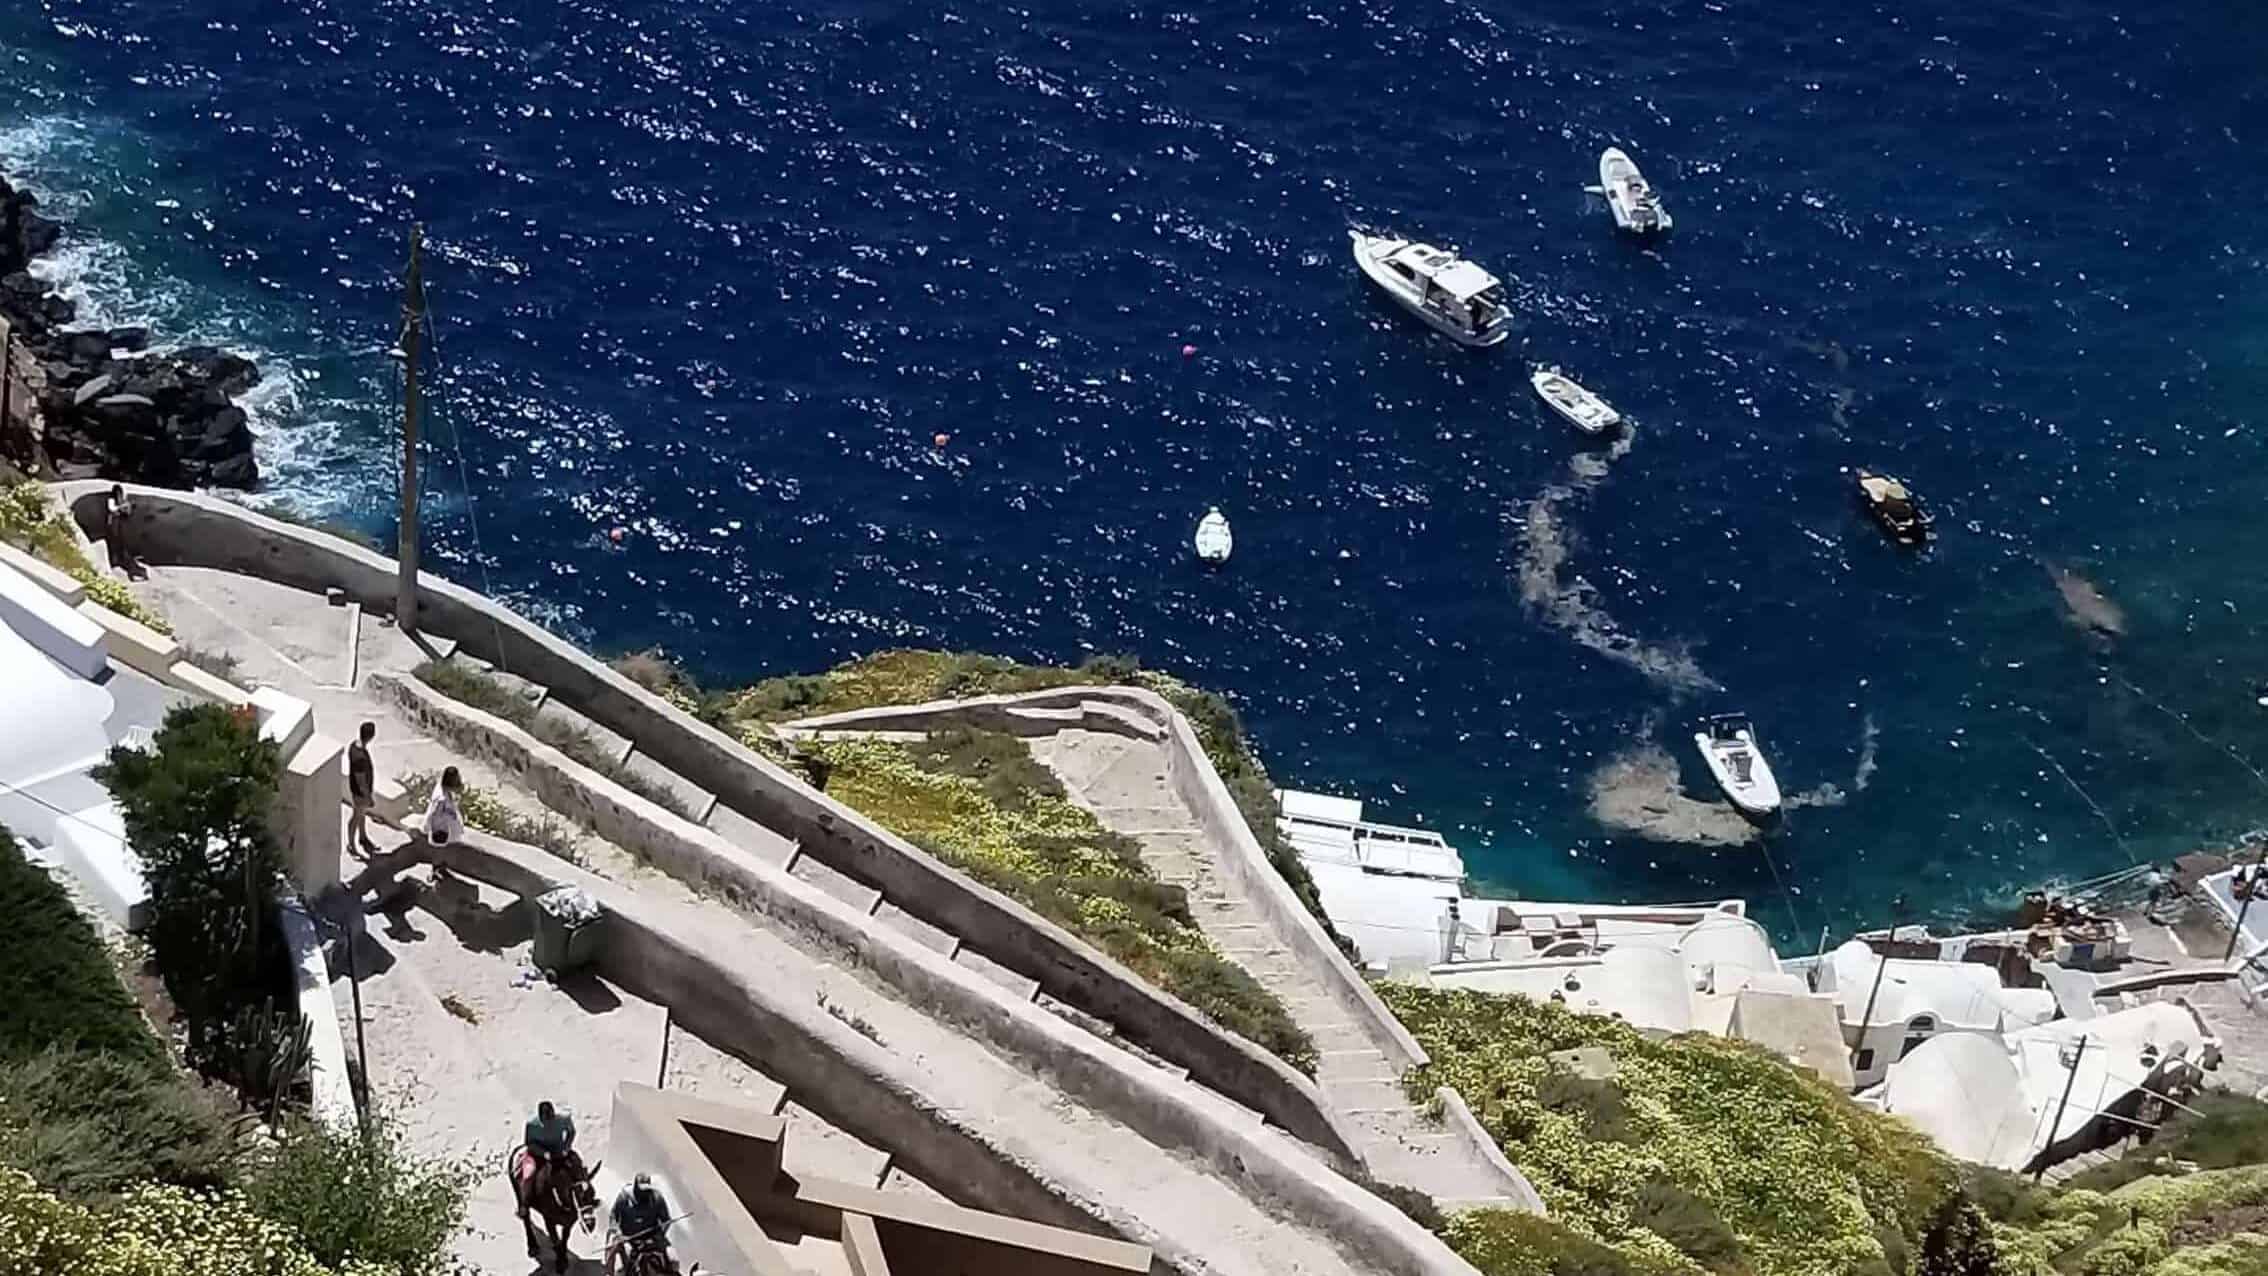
x=1014 y=831
x=150 y=1231
x=2211 y=1223
x=1808 y=1183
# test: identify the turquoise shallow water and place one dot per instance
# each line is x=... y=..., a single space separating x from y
x=716 y=274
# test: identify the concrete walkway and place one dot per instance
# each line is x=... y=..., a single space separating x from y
x=469 y=1048
x=1123 y=781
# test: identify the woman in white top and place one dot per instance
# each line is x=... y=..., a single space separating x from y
x=444 y=822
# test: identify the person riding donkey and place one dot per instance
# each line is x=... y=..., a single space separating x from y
x=640 y=1226
x=550 y=1139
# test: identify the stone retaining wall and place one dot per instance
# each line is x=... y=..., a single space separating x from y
x=1234 y=849
x=879 y=1097
x=189 y=528
x=699 y=857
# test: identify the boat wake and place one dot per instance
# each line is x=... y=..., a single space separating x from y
x=1833 y=795
x=1572 y=604
x=1638 y=791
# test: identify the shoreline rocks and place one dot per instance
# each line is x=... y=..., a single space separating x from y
x=104 y=408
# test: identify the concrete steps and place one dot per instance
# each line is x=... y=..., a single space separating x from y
x=750 y=836
x=1123 y=783
x=553 y=718
x=842 y=886
x=698 y=802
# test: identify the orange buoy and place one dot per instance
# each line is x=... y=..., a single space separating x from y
x=941 y=439
x=615 y=535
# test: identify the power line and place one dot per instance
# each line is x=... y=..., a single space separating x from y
x=472 y=505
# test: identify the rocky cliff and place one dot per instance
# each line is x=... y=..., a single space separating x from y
x=104 y=408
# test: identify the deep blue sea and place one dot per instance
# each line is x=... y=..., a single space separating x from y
x=717 y=272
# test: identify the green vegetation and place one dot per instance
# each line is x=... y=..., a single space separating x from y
x=1701 y=1153
x=1507 y=1243
x=88 y=1100
x=912 y=677
x=467 y=685
x=152 y=1230
x=979 y=802
x=30 y=522
x=656 y=671
x=2211 y=1223
x=197 y=810
x=57 y=987
x=360 y=1195
x=113 y=1164
x=2220 y=1131
x=472 y=687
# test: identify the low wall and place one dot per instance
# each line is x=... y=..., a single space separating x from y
x=332 y=1091
x=1025 y=716
x=56 y=628
x=193 y=529
x=688 y=963
x=1460 y=1118
x=697 y=855
x=1234 y=849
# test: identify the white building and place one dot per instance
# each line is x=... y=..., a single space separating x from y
x=1889 y=1006
x=2053 y=1090
x=1385 y=887
x=1399 y=894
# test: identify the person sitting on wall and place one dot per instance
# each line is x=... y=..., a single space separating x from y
x=444 y=817
x=640 y=1225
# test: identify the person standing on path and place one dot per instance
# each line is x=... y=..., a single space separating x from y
x=362 y=789
x=116 y=509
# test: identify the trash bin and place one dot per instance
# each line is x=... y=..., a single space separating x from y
x=569 y=927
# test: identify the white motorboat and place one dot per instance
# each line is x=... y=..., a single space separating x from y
x=1457 y=298
x=1214 y=540
x=1636 y=207
x=1728 y=744
x=1584 y=410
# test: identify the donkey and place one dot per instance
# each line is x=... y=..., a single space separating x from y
x=561 y=1192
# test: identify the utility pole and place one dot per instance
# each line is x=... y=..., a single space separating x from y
x=2057 y=1124
x=413 y=324
x=2252 y=888
x=1866 y=1017
x=1882 y=967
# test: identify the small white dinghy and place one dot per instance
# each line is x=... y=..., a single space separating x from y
x=1455 y=297
x=1728 y=744
x=1584 y=410
x=1636 y=207
x=1214 y=540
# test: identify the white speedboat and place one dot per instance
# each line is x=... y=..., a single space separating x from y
x=1213 y=538
x=1636 y=207
x=1728 y=744
x=1584 y=410
x=1457 y=298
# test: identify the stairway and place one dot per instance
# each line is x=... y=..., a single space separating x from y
x=1123 y=781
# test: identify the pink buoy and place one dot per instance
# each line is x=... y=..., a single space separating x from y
x=1188 y=352
x=941 y=439
x=615 y=535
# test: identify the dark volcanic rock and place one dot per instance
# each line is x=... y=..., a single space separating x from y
x=86 y=348
x=164 y=419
